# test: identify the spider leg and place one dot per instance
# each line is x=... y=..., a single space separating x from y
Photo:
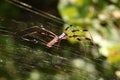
x=34 y=34
x=39 y=34
x=86 y=31
x=28 y=31
x=81 y=42
x=68 y=27
x=36 y=29
x=48 y=31
x=52 y=42
x=81 y=39
x=58 y=45
x=92 y=40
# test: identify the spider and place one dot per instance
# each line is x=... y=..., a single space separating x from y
x=40 y=34
x=64 y=35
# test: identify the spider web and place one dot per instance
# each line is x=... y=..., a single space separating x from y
x=22 y=58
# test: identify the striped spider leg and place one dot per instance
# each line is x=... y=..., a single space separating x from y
x=90 y=40
x=37 y=34
x=83 y=38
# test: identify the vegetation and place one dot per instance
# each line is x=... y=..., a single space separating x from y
x=31 y=59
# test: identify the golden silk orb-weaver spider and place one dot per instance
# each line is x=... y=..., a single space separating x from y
x=40 y=34
x=65 y=35
x=75 y=35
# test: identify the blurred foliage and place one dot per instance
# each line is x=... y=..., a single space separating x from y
x=24 y=60
x=101 y=17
